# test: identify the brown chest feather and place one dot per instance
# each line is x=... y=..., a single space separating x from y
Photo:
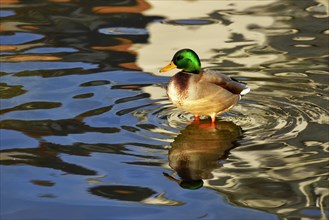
x=181 y=81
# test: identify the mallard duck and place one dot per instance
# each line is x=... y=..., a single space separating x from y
x=201 y=91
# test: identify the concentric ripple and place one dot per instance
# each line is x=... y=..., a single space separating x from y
x=269 y=120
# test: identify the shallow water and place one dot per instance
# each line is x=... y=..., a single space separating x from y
x=87 y=131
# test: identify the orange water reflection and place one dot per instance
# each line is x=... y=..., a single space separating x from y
x=141 y=5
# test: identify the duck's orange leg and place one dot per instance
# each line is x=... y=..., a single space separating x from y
x=207 y=125
x=196 y=118
x=213 y=118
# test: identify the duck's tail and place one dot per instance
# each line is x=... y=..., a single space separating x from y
x=245 y=91
x=237 y=87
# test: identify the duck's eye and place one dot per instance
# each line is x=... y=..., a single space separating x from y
x=178 y=58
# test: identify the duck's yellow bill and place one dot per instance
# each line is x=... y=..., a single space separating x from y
x=170 y=66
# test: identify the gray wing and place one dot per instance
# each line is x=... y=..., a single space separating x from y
x=230 y=84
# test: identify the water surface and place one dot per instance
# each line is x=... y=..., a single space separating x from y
x=87 y=131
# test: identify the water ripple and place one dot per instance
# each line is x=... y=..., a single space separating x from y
x=269 y=120
x=123 y=31
x=187 y=22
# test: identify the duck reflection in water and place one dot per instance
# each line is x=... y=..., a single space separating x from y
x=196 y=152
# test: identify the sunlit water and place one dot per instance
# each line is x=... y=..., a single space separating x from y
x=87 y=131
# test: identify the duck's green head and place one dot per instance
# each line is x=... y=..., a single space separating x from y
x=185 y=59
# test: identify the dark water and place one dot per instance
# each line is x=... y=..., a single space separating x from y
x=87 y=131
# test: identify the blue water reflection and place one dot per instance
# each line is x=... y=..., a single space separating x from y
x=19 y=38
x=6 y=13
x=40 y=66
